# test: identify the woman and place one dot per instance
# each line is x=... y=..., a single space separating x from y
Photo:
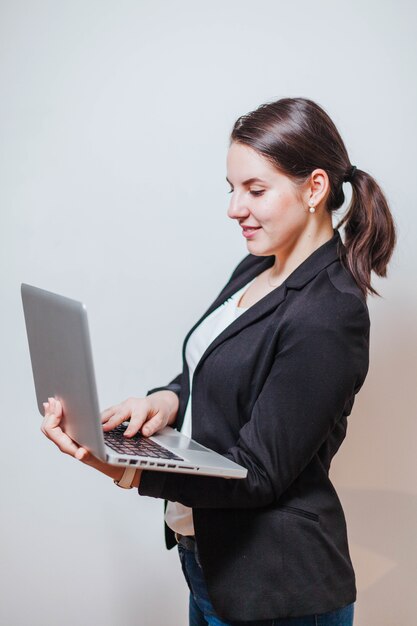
x=274 y=365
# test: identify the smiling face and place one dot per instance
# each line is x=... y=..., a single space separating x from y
x=266 y=199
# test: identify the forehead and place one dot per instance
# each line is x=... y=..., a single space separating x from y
x=244 y=162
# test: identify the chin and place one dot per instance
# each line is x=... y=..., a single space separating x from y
x=258 y=250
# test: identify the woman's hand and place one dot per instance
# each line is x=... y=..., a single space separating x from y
x=51 y=428
x=148 y=415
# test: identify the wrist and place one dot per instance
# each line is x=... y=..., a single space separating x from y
x=112 y=471
x=172 y=399
x=174 y=405
x=128 y=478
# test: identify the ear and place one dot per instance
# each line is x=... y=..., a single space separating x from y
x=317 y=187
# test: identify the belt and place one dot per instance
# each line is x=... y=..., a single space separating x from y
x=187 y=541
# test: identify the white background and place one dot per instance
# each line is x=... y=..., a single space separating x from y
x=114 y=125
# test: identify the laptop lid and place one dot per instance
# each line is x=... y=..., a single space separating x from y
x=62 y=365
x=58 y=326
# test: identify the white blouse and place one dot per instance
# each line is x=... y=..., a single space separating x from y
x=177 y=516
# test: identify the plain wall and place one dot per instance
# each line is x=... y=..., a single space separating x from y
x=114 y=124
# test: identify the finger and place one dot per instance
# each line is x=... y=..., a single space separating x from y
x=53 y=414
x=137 y=419
x=61 y=439
x=119 y=417
x=55 y=406
x=108 y=413
x=82 y=454
x=50 y=427
x=153 y=425
x=51 y=403
x=49 y=422
x=52 y=419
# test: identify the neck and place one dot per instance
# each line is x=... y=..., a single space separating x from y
x=288 y=259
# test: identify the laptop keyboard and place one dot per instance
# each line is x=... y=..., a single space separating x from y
x=138 y=445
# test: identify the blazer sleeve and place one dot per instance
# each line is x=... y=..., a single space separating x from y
x=174 y=385
x=320 y=364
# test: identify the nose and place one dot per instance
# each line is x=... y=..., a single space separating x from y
x=238 y=207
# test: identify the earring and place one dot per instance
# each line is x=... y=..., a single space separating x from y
x=311 y=209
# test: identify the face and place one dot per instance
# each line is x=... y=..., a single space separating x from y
x=264 y=199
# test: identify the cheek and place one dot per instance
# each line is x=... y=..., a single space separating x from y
x=280 y=208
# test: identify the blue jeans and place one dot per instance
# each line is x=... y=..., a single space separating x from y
x=202 y=613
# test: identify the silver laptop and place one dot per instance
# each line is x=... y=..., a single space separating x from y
x=62 y=365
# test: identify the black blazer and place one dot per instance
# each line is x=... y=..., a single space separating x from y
x=273 y=392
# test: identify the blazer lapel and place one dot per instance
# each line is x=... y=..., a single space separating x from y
x=258 y=266
x=326 y=254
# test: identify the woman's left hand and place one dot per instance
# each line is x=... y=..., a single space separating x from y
x=51 y=428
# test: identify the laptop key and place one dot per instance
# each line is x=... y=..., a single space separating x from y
x=137 y=445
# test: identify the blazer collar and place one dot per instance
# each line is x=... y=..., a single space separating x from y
x=323 y=256
x=328 y=252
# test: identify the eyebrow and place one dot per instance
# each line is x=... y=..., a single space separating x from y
x=249 y=180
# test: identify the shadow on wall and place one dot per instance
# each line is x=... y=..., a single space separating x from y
x=380 y=453
x=382 y=535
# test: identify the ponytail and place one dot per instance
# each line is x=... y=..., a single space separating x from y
x=369 y=231
x=297 y=135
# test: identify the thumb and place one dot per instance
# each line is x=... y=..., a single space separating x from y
x=82 y=454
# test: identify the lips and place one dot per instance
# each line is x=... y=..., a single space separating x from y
x=250 y=231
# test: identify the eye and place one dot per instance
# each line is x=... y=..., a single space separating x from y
x=257 y=192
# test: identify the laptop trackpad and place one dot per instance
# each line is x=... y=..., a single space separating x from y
x=177 y=441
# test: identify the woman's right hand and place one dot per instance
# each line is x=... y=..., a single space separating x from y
x=148 y=415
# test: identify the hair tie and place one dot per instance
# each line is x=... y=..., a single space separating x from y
x=349 y=176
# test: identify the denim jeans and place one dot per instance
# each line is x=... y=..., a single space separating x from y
x=202 y=613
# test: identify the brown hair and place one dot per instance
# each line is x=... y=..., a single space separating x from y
x=297 y=136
